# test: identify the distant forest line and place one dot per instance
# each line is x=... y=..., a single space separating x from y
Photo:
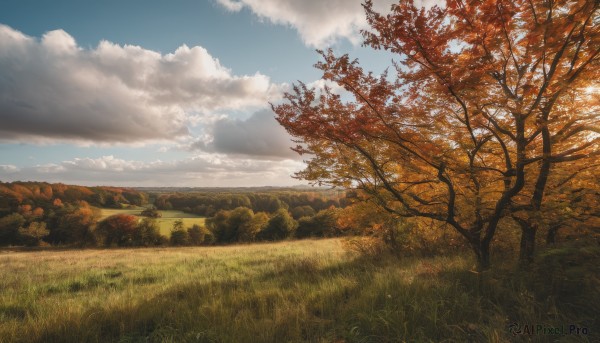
x=41 y=213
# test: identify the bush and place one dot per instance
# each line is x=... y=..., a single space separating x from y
x=151 y=213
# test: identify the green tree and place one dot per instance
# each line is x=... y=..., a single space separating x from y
x=323 y=224
x=179 y=235
x=280 y=226
x=200 y=235
x=249 y=231
x=302 y=211
x=147 y=233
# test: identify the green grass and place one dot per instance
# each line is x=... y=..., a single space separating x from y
x=303 y=291
x=165 y=222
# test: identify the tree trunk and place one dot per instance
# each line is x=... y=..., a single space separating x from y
x=482 y=252
x=551 y=235
x=527 y=244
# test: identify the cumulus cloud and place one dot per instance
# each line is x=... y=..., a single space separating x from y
x=259 y=135
x=51 y=89
x=204 y=169
x=319 y=23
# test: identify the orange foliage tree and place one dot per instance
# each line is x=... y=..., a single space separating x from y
x=487 y=98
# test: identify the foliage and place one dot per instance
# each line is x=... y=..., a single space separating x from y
x=200 y=235
x=119 y=230
x=322 y=224
x=488 y=97
x=44 y=195
x=280 y=226
x=34 y=233
x=237 y=225
x=208 y=203
x=74 y=225
x=151 y=213
x=179 y=235
x=9 y=229
x=147 y=233
x=302 y=211
x=250 y=230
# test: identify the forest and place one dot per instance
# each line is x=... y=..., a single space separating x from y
x=39 y=214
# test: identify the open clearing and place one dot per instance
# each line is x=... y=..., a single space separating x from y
x=165 y=222
x=301 y=291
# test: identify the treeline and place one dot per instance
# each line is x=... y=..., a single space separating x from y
x=45 y=195
x=240 y=225
x=38 y=213
x=243 y=225
x=209 y=203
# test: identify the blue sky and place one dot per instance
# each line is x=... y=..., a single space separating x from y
x=157 y=93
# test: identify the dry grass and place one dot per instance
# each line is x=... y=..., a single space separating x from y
x=303 y=291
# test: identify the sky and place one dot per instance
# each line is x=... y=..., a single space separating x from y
x=162 y=93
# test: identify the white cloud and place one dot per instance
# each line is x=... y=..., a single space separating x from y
x=54 y=90
x=8 y=168
x=320 y=23
x=204 y=169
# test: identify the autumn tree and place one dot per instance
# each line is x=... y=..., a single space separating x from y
x=74 y=225
x=119 y=229
x=34 y=233
x=486 y=99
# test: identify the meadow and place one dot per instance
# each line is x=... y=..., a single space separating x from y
x=165 y=222
x=301 y=291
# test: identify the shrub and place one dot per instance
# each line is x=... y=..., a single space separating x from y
x=151 y=213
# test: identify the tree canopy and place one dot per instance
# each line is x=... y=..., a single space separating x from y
x=485 y=100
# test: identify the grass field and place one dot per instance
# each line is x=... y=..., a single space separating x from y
x=303 y=291
x=165 y=222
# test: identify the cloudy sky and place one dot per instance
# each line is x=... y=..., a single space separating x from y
x=161 y=93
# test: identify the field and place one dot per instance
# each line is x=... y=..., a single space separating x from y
x=303 y=291
x=165 y=222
